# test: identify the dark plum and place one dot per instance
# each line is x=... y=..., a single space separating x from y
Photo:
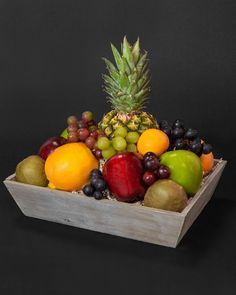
x=196 y=140
x=178 y=123
x=88 y=190
x=178 y=132
x=100 y=185
x=98 y=195
x=95 y=173
x=149 y=155
x=163 y=123
x=207 y=148
x=180 y=144
x=167 y=130
x=196 y=148
x=151 y=164
x=163 y=172
x=191 y=134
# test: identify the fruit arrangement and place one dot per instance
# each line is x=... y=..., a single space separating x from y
x=128 y=156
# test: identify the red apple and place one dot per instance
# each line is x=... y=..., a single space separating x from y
x=50 y=145
x=123 y=175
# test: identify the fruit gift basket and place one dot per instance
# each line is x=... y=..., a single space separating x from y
x=129 y=175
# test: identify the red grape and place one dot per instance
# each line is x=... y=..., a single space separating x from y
x=87 y=116
x=98 y=154
x=83 y=133
x=72 y=137
x=149 y=178
x=94 y=134
x=90 y=142
x=82 y=124
x=72 y=128
x=72 y=120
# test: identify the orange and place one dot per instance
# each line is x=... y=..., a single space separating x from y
x=69 y=166
x=207 y=161
x=153 y=140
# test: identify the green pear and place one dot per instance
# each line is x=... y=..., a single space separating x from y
x=185 y=169
x=31 y=171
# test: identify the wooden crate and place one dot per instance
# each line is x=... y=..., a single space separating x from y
x=109 y=216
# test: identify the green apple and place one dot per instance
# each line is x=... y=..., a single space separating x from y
x=185 y=168
x=64 y=133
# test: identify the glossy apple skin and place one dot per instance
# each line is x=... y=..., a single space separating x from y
x=123 y=175
x=50 y=145
x=185 y=169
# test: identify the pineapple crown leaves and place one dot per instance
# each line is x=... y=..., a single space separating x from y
x=127 y=81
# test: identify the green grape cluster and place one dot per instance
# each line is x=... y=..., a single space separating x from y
x=121 y=141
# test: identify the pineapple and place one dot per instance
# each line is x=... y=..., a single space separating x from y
x=127 y=86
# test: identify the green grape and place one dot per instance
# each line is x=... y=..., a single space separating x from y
x=119 y=143
x=132 y=137
x=120 y=131
x=108 y=153
x=103 y=143
x=131 y=147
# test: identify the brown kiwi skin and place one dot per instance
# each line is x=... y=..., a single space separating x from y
x=167 y=195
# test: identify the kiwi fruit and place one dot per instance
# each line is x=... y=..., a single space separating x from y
x=31 y=171
x=167 y=195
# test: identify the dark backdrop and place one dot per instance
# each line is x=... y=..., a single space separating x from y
x=50 y=67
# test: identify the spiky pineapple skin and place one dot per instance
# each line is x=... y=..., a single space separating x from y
x=134 y=121
x=127 y=85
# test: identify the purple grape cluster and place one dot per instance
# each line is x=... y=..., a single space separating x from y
x=97 y=186
x=85 y=130
x=153 y=169
x=182 y=138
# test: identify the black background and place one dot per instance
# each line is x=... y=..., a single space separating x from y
x=50 y=67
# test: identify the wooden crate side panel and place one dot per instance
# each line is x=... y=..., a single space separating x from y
x=201 y=199
x=125 y=220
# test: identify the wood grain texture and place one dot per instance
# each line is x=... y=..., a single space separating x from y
x=201 y=198
x=107 y=216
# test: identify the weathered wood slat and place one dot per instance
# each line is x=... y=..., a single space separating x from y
x=112 y=217
x=200 y=200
